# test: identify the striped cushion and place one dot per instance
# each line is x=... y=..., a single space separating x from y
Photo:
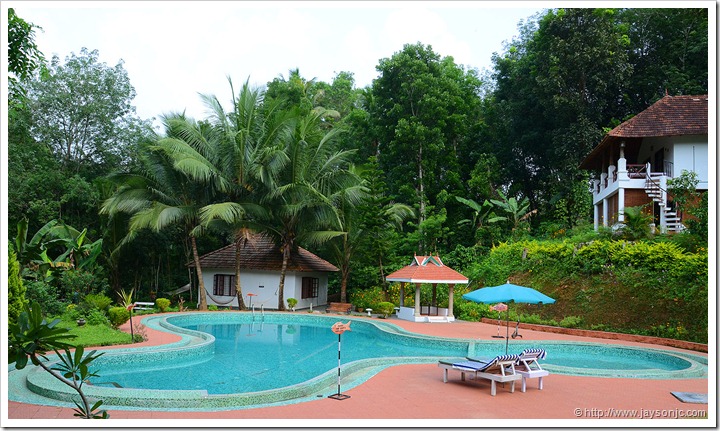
x=482 y=366
x=533 y=353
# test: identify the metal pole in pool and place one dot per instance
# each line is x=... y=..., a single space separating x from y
x=132 y=336
x=339 y=328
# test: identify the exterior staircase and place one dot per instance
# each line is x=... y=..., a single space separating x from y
x=657 y=194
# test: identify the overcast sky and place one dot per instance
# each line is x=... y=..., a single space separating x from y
x=174 y=50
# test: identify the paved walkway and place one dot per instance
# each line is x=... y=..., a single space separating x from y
x=415 y=395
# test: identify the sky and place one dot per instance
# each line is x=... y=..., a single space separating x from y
x=174 y=51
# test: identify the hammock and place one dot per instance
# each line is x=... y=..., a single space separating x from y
x=219 y=302
x=178 y=291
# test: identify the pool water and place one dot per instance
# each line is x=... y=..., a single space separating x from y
x=257 y=355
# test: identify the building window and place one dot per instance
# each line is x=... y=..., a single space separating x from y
x=224 y=285
x=310 y=287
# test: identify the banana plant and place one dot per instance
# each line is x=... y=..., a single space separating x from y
x=518 y=211
x=77 y=254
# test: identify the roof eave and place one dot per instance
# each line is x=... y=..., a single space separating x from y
x=423 y=281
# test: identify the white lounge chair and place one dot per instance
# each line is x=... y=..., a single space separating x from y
x=499 y=369
x=529 y=367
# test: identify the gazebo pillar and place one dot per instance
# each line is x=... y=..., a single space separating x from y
x=417 y=300
x=434 y=296
x=451 y=298
x=402 y=293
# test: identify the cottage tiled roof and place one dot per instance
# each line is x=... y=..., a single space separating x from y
x=261 y=253
x=669 y=116
x=427 y=269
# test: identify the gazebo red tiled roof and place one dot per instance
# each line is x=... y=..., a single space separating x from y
x=427 y=269
x=260 y=253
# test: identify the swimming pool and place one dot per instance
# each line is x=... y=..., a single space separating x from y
x=236 y=360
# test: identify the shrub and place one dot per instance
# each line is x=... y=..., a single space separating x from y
x=366 y=298
x=72 y=312
x=96 y=317
x=45 y=295
x=292 y=302
x=571 y=322
x=162 y=304
x=212 y=307
x=472 y=311
x=97 y=301
x=384 y=308
x=118 y=316
x=16 y=289
x=76 y=283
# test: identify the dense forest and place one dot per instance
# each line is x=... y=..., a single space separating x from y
x=432 y=157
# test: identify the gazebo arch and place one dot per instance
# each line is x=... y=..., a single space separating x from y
x=426 y=270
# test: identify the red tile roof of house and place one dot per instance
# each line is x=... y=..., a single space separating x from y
x=260 y=253
x=427 y=269
x=669 y=116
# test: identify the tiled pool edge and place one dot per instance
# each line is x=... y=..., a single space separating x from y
x=353 y=373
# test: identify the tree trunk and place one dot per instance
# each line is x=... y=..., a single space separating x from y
x=238 y=288
x=421 y=187
x=202 y=297
x=281 y=287
x=345 y=270
x=383 y=283
x=70 y=383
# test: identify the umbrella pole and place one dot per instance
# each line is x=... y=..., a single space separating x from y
x=507 y=330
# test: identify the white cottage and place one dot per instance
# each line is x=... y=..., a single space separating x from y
x=306 y=278
x=633 y=162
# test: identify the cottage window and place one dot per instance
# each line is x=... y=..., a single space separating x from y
x=310 y=287
x=224 y=285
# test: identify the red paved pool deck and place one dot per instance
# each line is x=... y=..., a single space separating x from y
x=417 y=393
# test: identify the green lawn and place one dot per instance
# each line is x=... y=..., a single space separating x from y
x=94 y=335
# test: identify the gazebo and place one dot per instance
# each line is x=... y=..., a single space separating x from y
x=427 y=270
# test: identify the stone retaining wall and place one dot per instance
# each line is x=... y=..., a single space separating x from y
x=688 y=345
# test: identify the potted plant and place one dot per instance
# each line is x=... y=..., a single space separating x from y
x=292 y=302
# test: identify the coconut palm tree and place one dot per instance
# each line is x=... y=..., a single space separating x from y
x=303 y=189
x=248 y=134
x=172 y=186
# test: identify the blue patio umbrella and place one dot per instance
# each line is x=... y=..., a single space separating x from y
x=508 y=292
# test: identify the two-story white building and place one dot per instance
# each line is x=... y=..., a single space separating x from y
x=634 y=161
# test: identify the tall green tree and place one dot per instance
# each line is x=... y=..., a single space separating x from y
x=669 y=52
x=422 y=107
x=33 y=177
x=82 y=110
x=344 y=247
x=380 y=221
x=557 y=87
x=24 y=57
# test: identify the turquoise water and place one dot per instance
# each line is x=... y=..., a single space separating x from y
x=257 y=356
x=250 y=356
